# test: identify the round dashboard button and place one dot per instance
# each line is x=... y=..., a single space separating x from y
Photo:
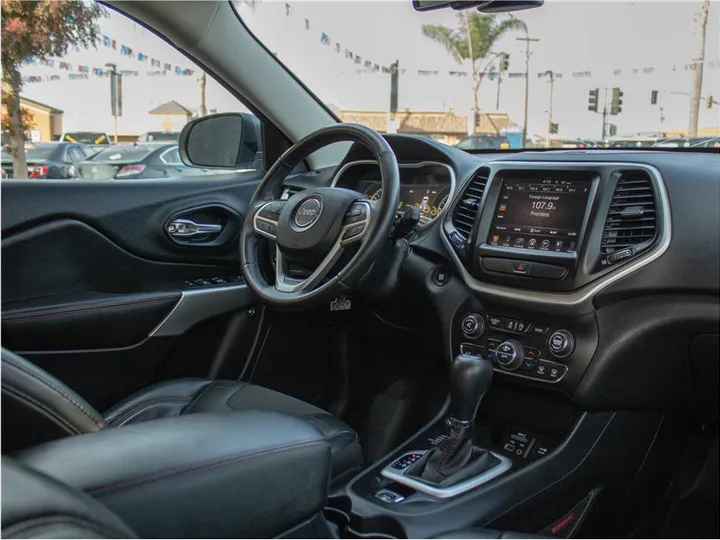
x=473 y=325
x=561 y=343
x=510 y=354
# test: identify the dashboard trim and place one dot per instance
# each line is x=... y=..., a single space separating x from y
x=418 y=165
x=581 y=299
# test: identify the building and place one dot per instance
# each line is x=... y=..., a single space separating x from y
x=47 y=120
x=446 y=125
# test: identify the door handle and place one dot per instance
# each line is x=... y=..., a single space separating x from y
x=187 y=228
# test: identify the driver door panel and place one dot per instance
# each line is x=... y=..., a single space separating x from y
x=98 y=293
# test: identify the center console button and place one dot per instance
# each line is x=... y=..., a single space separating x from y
x=494 y=321
x=523 y=327
x=561 y=343
x=510 y=354
x=473 y=325
x=509 y=324
x=540 y=329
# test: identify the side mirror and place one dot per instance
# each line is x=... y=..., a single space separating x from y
x=222 y=141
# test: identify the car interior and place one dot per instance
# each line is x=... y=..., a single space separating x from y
x=285 y=354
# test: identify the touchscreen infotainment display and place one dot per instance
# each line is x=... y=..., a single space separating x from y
x=543 y=213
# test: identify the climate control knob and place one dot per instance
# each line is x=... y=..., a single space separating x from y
x=561 y=343
x=510 y=354
x=473 y=325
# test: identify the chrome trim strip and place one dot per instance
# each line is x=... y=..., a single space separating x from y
x=418 y=165
x=451 y=491
x=196 y=305
x=582 y=298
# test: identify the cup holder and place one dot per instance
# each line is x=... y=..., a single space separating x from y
x=345 y=524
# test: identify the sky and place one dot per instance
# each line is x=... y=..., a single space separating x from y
x=599 y=37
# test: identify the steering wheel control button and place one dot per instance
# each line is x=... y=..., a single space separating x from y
x=353 y=232
x=440 y=276
x=510 y=354
x=356 y=213
x=269 y=228
x=272 y=210
x=308 y=212
x=473 y=325
x=561 y=343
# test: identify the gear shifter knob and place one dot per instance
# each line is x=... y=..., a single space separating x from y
x=470 y=377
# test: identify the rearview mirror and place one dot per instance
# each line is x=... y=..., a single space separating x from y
x=222 y=141
x=485 y=6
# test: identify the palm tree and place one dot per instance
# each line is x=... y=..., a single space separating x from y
x=473 y=42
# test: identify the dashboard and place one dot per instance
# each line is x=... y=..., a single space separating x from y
x=594 y=274
x=426 y=185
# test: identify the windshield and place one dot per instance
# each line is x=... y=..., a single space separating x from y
x=542 y=77
x=33 y=152
x=81 y=137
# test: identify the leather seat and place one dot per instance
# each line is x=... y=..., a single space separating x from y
x=37 y=408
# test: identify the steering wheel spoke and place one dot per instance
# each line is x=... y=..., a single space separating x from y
x=286 y=283
x=355 y=223
x=266 y=218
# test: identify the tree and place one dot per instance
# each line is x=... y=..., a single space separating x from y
x=473 y=42
x=38 y=30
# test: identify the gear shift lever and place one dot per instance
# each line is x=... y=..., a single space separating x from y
x=470 y=378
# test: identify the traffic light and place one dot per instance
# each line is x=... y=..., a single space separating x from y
x=593 y=100
x=653 y=97
x=612 y=130
x=504 y=62
x=554 y=127
x=709 y=101
x=616 y=102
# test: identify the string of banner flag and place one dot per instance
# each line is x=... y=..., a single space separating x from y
x=83 y=72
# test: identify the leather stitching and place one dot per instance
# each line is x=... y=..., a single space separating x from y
x=62 y=422
x=36 y=376
x=135 y=482
x=347 y=447
x=128 y=414
x=103 y=530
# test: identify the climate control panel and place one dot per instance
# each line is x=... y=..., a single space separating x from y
x=522 y=347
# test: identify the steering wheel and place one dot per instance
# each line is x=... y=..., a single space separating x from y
x=313 y=228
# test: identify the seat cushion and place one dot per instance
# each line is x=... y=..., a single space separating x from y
x=186 y=396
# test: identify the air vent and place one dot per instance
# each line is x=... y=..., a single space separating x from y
x=466 y=210
x=631 y=220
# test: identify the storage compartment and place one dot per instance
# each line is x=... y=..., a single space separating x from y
x=344 y=524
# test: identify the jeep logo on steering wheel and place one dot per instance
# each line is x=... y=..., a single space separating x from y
x=308 y=212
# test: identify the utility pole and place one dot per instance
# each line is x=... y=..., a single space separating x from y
x=497 y=98
x=527 y=41
x=604 y=114
x=115 y=95
x=701 y=18
x=202 y=110
x=552 y=75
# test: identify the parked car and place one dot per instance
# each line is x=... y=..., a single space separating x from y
x=483 y=142
x=51 y=160
x=137 y=160
x=90 y=138
x=160 y=136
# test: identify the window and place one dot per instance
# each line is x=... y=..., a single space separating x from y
x=158 y=90
x=171 y=156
